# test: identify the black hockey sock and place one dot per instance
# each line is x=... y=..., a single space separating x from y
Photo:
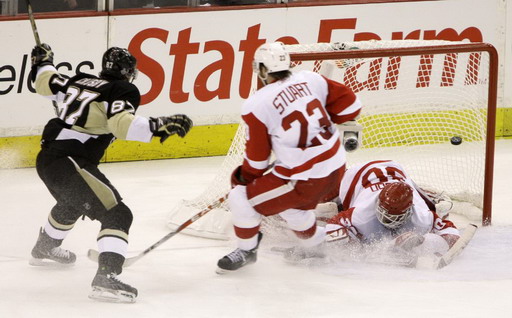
x=109 y=262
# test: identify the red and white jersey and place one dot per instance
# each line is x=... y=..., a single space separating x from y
x=359 y=192
x=295 y=119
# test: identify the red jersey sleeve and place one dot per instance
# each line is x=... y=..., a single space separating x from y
x=258 y=148
x=342 y=104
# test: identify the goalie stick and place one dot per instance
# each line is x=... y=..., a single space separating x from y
x=93 y=255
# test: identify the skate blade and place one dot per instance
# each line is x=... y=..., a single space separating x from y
x=44 y=262
x=222 y=271
x=112 y=296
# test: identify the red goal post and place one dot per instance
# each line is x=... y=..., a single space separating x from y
x=416 y=96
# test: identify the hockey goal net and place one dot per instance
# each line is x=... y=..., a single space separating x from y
x=417 y=96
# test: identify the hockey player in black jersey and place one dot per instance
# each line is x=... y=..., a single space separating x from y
x=91 y=112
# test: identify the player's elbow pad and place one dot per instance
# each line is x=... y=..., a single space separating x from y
x=351 y=132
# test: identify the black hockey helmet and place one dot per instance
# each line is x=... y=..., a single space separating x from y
x=119 y=64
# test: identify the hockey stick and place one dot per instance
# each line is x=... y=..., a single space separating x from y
x=33 y=23
x=93 y=255
x=36 y=36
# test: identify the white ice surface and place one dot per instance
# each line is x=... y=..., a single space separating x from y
x=179 y=280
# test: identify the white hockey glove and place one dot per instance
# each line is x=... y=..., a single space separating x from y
x=442 y=202
x=352 y=133
x=443 y=206
x=409 y=240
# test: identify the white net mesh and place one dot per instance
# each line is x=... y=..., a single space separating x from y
x=216 y=224
x=412 y=107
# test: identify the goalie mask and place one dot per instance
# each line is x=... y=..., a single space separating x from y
x=394 y=205
x=273 y=56
x=119 y=64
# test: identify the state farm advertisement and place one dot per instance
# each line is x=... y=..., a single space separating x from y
x=199 y=63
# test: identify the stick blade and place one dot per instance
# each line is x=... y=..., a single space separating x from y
x=130 y=260
x=93 y=255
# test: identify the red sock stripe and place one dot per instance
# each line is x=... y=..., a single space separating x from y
x=307 y=233
x=245 y=233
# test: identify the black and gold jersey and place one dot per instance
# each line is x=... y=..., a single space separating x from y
x=90 y=113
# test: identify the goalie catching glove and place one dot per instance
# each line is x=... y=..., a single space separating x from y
x=41 y=55
x=166 y=126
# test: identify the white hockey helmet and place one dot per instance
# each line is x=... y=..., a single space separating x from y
x=273 y=56
x=394 y=205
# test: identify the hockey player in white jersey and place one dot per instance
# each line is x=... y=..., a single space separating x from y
x=293 y=116
x=380 y=201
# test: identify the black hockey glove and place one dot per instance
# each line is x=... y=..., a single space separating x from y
x=41 y=55
x=237 y=178
x=166 y=126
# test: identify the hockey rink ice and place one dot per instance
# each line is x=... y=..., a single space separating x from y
x=178 y=279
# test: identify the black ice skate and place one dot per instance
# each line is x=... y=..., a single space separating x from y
x=238 y=258
x=106 y=287
x=47 y=252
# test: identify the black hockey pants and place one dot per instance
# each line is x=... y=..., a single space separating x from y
x=80 y=188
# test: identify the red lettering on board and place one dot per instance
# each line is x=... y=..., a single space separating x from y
x=147 y=65
x=215 y=79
